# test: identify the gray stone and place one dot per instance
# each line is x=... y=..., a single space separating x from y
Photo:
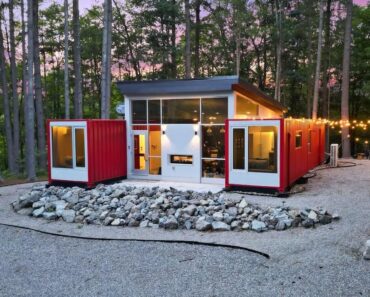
x=118 y=222
x=246 y=226
x=104 y=214
x=243 y=203
x=49 y=215
x=313 y=216
x=190 y=210
x=79 y=219
x=280 y=225
x=220 y=226
x=325 y=219
x=107 y=221
x=202 y=224
x=258 y=226
x=38 y=204
x=38 y=212
x=144 y=224
x=367 y=250
x=128 y=205
x=68 y=215
x=307 y=223
x=232 y=211
x=171 y=223
x=218 y=216
x=235 y=225
x=133 y=223
x=188 y=225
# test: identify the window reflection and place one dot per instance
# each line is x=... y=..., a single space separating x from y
x=214 y=110
x=262 y=149
x=239 y=148
x=62 y=147
x=180 y=111
x=80 y=147
x=245 y=108
x=139 y=112
x=213 y=142
x=154 y=111
x=213 y=168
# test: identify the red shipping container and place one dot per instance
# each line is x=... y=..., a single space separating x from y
x=271 y=154
x=86 y=151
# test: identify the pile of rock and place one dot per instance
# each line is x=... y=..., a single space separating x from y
x=121 y=205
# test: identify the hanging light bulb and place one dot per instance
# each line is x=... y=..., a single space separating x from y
x=222 y=130
x=209 y=130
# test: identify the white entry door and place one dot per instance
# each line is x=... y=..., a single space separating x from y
x=140 y=152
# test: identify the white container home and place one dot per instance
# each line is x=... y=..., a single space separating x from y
x=176 y=128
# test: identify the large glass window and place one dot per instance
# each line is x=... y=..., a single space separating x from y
x=245 y=108
x=262 y=149
x=214 y=110
x=154 y=111
x=239 y=148
x=62 y=147
x=213 y=144
x=213 y=168
x=80 y=147
x=180 y=111
x=139 y=112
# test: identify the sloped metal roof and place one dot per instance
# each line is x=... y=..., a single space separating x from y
x=198 y=86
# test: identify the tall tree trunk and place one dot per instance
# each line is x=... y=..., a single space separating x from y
x=325 y=80
x=173 y=40
x=187 y=40
x=66 y=70
x=5 y=95
x=41 y=139
x=318 y=65
x=277 y=95
x=346 y=147
x=13 y=67
x=77 y=96
x=106 y=63
x=326 y=61
x=24 y=72
x=29 y=110
x=197 y=39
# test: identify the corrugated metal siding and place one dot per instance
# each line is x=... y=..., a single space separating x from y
x=106 y=150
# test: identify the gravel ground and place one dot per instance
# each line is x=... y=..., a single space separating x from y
x=326 y=261
x=35 y=264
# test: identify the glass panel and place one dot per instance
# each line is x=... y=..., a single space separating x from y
x=180 y=111
x=245 y=108
x=213 y=168
x=309 y=141
x=214 y=110
x=213 y=141
x=80 y=147
x=154 y=110
x=139 y=112
x=298 y=139
x=239 y=148
x=139 y=152
x=155 y=166
x=262 y=149
x=155 y=141
x=62 y=147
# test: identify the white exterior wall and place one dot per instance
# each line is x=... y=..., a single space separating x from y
x=178 y=139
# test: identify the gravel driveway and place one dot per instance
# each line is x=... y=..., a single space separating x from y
x=35 y=264
x=326 y=261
